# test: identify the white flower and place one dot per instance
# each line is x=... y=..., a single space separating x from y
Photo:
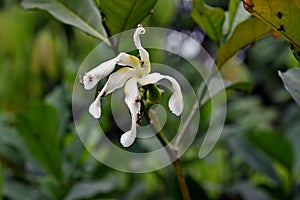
x=137 y=73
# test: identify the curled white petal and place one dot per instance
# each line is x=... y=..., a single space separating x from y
x=143 y=53
x=136 y=37
x=91 y=78
x=95 y=108
x=176 y=99
x=128 y=138
x=131 y=99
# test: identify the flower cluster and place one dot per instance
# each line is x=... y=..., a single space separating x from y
x=134 y=74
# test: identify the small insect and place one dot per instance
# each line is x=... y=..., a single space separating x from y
x=279 y=15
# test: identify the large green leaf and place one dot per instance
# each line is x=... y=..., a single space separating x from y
x=291 y=81
x=282 y=16
x=276 y=146
x=253 y=157
x=81 y=14
x=209 y=19
x=245 y=33
x=39 y=128
x=122 y=15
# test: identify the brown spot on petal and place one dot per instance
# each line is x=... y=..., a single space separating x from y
x=104 y=93
x=90 y=77
x=138 y=118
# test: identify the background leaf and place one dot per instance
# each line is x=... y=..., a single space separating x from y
x=39 y=129
x=254 y=158
x=267 y=141
x=89 y=189
x=232 y=8
x=1 y=180
x=282 y=16
x=81 y=14
x=209 y=19
x=245 y=33
x=291 y=81
x=122 y=15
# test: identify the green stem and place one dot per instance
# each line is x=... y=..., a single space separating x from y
x=173 y=154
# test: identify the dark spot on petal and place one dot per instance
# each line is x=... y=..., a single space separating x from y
x=137 y=100
x=138 y=117
x=90 y=77
x=104 y=93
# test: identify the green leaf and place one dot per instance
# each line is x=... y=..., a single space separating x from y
x=282 y=16
x=245 y=33
x=291 y=81
x=233 y=8
x=122 y=15
x=1 y=180
x=276 y=146
x=81 y=14
x=19 y=190
x=253 y=157
x=209 y=19
x=89 y=189
x=38 y=126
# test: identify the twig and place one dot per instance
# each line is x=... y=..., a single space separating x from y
x=172 y=152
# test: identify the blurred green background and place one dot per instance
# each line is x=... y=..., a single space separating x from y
x=257 y=157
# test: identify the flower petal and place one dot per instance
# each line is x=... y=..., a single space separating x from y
x=131 y=96
x=143 y=53
x=91 y=78
x=95 y=108
x=128 y=60
x=127 y=138
x=116 y=80
x=176 y=99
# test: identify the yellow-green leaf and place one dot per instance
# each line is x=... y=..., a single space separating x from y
x=282 y=16
x=38 y=127
x=81 y=14
x=245 y=33
x=122 y=15
x=209 y=19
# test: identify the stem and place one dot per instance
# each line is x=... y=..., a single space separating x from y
x=173 y=154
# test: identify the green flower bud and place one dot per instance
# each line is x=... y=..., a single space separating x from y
x=153 y=93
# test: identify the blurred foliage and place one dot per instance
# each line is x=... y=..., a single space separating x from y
x=258 y=155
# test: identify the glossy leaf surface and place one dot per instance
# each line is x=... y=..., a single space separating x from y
x=81 y=14
x=122 y=15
